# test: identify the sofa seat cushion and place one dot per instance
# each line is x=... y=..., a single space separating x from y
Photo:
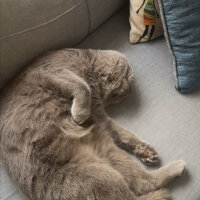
x=99 y=11
x=28 y=15
x=155 y=111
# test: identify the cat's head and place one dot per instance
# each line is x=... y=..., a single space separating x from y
x=115 y=76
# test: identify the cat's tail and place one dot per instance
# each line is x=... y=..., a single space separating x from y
x=161 y=194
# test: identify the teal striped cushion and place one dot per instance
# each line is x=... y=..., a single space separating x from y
x=181 y=19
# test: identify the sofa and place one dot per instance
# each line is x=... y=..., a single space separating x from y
x=154 y=110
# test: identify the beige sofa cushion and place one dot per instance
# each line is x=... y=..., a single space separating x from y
x=29 y=28
x=99 y=11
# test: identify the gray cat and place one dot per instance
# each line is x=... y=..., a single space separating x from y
x=57 y=142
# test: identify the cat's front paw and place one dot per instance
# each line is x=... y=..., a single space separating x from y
x=81 y=116
x=147 y=154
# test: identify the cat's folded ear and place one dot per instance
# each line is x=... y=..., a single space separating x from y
x=81 y=105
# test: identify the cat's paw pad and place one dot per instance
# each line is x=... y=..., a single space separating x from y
x=147 y=154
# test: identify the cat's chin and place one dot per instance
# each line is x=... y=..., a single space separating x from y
x=75 y=134
x=114 y=100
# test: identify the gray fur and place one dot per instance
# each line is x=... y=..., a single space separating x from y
x=57 y=142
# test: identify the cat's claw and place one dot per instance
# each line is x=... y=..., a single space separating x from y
x=147 y=154
x=153 y=160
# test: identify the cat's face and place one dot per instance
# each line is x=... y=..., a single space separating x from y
x=116 y=77
x=121 y=90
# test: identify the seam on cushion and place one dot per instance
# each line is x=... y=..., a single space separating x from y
x=43 y=24
x=89 y=16
x=167 y=37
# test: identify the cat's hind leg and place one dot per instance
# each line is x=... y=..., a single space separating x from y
x=68 y=169
x=167 y=173
x=82 y=181
x=162 y=194
x=138 y=178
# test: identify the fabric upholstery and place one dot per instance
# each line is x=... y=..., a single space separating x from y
x=29 y=28
x=145 y=20
x=181 y=20
x=155 y=111
x=99 y=10
x=26 y=15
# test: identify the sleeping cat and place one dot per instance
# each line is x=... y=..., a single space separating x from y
x=57 y=142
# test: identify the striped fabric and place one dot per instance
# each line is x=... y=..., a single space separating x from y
x=149 y=14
